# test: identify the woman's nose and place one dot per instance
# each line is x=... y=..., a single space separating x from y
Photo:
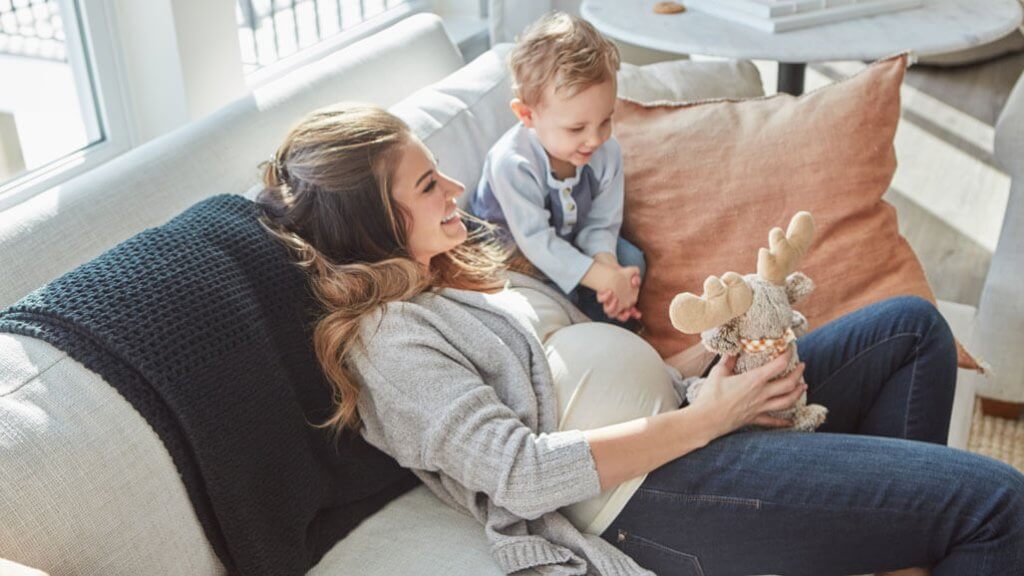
x=455 y=188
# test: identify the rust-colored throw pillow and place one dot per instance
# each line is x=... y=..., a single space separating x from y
x=706 y=181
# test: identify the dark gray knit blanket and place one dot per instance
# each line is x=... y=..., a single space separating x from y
x=205 y=325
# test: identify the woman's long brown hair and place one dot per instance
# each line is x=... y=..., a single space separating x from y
x=327 y=195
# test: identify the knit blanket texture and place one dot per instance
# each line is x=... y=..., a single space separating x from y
x=204 y=325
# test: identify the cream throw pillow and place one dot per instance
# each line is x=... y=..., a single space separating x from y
x=689 y=81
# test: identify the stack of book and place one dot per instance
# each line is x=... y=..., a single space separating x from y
x=781 y=15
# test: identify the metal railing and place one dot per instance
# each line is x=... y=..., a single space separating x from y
x=269 y=30
x=32 y=28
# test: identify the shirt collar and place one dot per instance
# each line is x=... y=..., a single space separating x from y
x=553 y=182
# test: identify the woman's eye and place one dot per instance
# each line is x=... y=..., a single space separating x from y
x=576 y=130
x=430 y=186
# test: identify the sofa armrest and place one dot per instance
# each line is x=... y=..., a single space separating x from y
x=1000 y=333
x=87 y=487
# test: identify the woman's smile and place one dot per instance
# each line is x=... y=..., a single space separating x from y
x=453 y=217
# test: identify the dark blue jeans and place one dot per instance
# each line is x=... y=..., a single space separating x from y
x=875 y=489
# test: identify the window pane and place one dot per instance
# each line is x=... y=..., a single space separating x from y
x=269 y=30
x=47 y=110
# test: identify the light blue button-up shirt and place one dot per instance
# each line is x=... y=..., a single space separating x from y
x=559 y=225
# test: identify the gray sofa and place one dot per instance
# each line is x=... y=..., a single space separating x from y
x=86 y=487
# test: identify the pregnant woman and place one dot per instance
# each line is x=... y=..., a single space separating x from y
x=566 y=439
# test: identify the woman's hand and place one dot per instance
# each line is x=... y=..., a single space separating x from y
x=736 y=400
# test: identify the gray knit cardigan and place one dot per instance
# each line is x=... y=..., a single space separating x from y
x=461 y=393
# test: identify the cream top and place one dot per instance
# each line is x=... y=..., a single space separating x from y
x=603 y=375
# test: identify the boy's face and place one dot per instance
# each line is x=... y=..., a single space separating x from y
x=571 y=128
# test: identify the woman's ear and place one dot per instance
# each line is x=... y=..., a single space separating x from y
x=798 y=287
x=522 y=111
x=723 y=339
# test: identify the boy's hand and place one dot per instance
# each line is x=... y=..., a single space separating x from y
x=617 y=287
x=612 y=306
x=624 y=288
x=609 y=278
x=624 y=314
x=607 y=258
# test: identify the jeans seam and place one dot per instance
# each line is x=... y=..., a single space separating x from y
x=861 y=354
x=746 y=502
x=972 y=517
x=913 y=379
x=641 y=542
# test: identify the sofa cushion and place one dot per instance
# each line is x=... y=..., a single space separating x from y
x=414 y=534
x=706 y=182
x=86 y=487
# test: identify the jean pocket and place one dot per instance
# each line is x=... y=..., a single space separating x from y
x=661 y=560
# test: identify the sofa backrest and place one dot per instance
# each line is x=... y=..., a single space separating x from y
x=61 y=228
x=460 y=117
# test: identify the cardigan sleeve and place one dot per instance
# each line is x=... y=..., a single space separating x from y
x=433 y=411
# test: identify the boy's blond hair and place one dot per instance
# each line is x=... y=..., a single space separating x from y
x=562 y=49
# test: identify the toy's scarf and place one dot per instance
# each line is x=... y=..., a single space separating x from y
x=774 y=345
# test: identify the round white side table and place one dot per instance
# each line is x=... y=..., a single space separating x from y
x=936 y=27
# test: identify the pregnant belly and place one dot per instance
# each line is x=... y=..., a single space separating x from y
x=604 y=375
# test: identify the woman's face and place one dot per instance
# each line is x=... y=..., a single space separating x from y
x=428 y=197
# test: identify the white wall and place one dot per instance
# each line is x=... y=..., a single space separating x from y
x=181 y=61
x=570 y=6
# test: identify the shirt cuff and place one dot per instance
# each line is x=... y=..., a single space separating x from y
x=570 y=276
x=599 y=241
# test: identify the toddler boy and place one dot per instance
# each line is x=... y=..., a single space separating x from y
x=554 y=181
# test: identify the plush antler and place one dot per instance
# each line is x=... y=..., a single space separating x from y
x=723 y=300
x=785 y=250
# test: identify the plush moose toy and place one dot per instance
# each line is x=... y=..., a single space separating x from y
x=752 y=316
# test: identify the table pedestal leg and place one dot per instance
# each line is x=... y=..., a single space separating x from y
x=791 y=78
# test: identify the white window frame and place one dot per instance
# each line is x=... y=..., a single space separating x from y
x=119 y=117
x=99 y=63
x=466 y=21
x=376 y=23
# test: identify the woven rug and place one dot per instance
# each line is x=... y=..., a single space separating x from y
x=998 y=438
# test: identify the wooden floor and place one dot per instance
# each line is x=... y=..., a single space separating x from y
x=948 y=190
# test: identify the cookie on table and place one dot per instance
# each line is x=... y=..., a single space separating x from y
x=669 y=8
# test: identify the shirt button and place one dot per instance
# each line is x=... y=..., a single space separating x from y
x=572 y=207
x=567 y=192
